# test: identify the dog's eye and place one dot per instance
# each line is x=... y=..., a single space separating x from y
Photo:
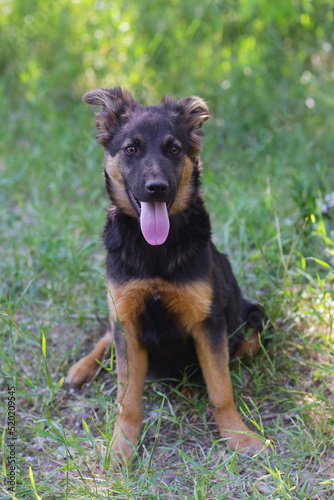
x=174 y=150
x=131 y=150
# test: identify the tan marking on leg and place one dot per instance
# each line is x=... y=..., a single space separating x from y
x=131 y=374
x=185 y=189
x=127 y=301
x=214 y=364
x=85 y=369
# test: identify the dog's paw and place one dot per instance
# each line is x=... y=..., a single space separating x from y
x=122 y=454
x=246 y=443
x=82 y=371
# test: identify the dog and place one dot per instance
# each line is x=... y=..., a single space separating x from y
x=173 y=298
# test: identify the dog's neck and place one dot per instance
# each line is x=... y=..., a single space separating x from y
x=189 y=237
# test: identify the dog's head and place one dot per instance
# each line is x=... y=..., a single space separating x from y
x=150 y=155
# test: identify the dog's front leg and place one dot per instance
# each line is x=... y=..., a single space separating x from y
x=131 y=362
x=214 y=360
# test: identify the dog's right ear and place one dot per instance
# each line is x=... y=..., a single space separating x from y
x=116 y=104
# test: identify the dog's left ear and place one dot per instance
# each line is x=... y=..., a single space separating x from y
x=193 y=111
x=116 y=104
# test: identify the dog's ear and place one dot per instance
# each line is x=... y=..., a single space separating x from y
x=193 y=111
x=116 y=104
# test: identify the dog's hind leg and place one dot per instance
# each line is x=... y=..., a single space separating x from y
x=253 y=315
x=254 y=318
x=248 y=347
x=85 y=369
x=214 y=361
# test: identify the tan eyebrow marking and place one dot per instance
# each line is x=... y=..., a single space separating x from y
x=139 y=138
x=170 y=139
x=135 y=139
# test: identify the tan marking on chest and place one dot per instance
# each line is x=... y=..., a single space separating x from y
x=127 y=300
x=187 y=303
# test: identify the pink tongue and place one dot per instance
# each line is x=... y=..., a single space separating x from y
x=154 y=222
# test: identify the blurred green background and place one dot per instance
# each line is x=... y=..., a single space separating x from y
x=248 y=58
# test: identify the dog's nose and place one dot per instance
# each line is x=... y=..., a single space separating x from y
x=156 y=188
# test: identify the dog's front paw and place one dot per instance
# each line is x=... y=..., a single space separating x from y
x=246 y=443
x=82 y=371
x=122 y=453
x=125 y=436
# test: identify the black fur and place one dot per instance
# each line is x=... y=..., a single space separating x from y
x=183 y=257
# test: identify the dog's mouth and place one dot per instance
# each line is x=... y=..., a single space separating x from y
x=153 y=217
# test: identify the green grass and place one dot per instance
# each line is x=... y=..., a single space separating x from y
x=268 y=163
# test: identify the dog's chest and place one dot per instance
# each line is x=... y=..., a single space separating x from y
x=185 y=303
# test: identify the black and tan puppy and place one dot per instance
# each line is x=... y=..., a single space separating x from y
x=174 y=294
